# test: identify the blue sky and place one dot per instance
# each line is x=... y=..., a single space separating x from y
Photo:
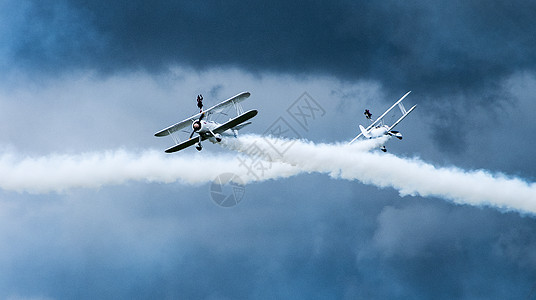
x=85 y=77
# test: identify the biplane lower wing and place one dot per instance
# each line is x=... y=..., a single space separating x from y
x=236 y=121
x=359 y=135
x=184 y=144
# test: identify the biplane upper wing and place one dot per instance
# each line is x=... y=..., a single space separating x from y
x=214 y=109
x=236 y=121
x=222 y=105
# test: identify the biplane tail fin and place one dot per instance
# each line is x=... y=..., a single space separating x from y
x=364 y=131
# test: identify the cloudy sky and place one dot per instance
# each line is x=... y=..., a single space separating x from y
x=82 y=78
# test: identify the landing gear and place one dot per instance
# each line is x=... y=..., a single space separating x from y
x=383 y=148
x=199 y=147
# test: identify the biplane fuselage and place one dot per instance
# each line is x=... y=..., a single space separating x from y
x=206 y=128
x=378 y=131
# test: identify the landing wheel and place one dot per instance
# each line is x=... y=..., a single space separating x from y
x=199 y=147
x=383 y=149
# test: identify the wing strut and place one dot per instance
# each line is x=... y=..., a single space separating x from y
x=403 y=116
x=238 y=107
x=175 y=137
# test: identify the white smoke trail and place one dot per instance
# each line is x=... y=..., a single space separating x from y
x=408 y=176
x=58 y=173
x=269 y=158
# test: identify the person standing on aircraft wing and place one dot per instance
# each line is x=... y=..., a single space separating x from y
x=367 y=113
x=200 y=102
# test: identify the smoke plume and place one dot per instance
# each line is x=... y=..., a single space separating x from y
x=410 y=176
x=262 y=158
x=59 y=173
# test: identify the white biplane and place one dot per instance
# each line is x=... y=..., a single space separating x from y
x=206 y=128
x=378 y=129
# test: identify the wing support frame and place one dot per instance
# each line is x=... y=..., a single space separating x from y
x=175 y=138
x=238 y=107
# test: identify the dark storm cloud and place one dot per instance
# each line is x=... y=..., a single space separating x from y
x=435 y=47
x=434 y=247
x=456 y=51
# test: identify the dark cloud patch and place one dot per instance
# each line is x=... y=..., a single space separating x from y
x=457 y=51
x=51 y=38
x=434 y=248
x=434 y=47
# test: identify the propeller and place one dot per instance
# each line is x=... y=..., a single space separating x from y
x=199 y=122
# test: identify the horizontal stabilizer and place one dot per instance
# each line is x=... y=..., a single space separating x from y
x=238 y=127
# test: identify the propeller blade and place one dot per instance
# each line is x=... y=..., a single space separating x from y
x=199 y=120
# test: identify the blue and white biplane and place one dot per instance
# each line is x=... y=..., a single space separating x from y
x=205 y=128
